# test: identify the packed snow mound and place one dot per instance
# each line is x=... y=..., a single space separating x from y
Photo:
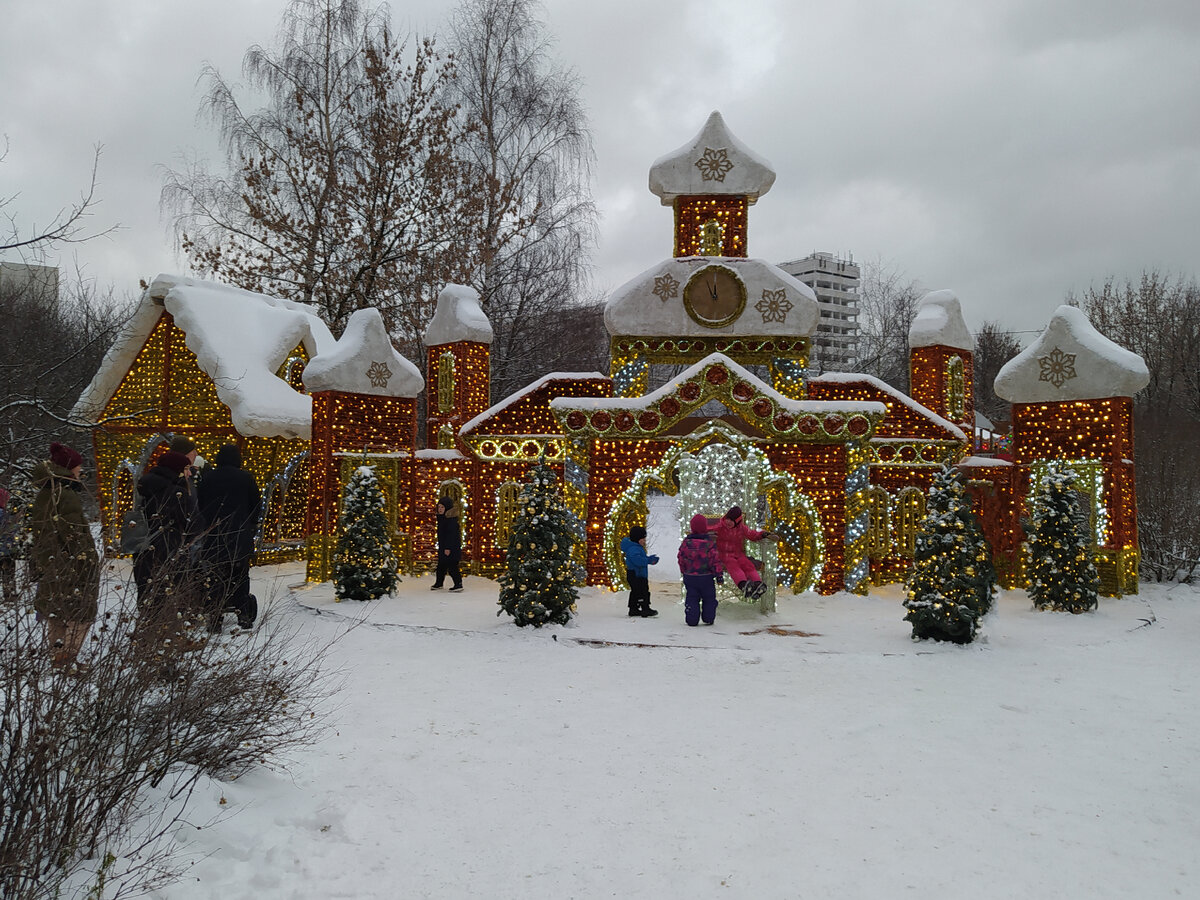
x=364 y=362
x=939 y=322
x=1071 y=360
x=458 y=317
x=713 y=162
x=651 y=304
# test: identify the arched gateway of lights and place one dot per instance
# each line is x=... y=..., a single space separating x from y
x=837 y=464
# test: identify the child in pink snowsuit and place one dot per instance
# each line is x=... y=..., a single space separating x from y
x=732 y=534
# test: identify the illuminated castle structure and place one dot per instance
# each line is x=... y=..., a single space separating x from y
x=838 y=465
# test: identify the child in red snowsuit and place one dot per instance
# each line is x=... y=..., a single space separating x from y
x=732 y=534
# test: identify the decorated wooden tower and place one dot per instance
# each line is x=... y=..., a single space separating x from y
x=363 y=401
x=941 y=360
x=458 y=345
x=1072 y=394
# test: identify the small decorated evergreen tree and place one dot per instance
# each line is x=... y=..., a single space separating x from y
x=365 y=564
x=952 y=582
x=1062 y=574
x=539 y=584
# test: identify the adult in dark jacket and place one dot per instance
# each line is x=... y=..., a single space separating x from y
x=229 y=501
x=63 y=555
x=162 y=571
x=449 y=545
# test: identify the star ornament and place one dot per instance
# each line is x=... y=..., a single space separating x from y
x=1057 y=367
x=666 y=287
x=714 y=165
x=379 y=374
x=774 y=305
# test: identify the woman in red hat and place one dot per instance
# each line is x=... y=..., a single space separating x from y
x=65 y=562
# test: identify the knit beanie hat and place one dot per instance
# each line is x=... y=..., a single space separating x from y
x=174 y=461
x=229 y=455
x=735 y=513
x=636 y=533
x=62 y=455
x=182 y=444
x=699 y=524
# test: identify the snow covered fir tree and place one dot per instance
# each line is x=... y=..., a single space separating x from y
x=1062 y=573
x=538 y=586
x=365 y=565
x=952 y=582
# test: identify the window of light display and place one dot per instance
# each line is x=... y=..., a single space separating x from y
x=910 y=513
x=694 y=220
x=506 y=510
x=956 y=389
x=745 y=475
x=445 y=382
x=284 y=499
x=292 y=370
x=445 y=439
x=858 y=518
x=712 y=238
x=879 y=528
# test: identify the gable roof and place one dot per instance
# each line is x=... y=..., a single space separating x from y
x=905 y=416
x=240 y=339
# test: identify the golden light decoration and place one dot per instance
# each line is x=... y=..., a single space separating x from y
x=695 y=217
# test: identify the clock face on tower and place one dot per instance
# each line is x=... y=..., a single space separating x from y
x=714 y=296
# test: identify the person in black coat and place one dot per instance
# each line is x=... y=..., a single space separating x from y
x=162 y=571
x=229 y=501
x=449 y=542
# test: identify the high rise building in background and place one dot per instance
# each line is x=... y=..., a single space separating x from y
x=835 y=281
x=29 y=278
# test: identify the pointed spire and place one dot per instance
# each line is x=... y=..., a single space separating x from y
x=713 y=162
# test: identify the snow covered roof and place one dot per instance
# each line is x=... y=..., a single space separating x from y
x=899 y=398
x=738 y=373
x=939 y=322
x=240 y=339
x=364 y=362
x=458 y=317
x=585 y=380
x=651 y=304
x=713 y=162
x=1071 y=360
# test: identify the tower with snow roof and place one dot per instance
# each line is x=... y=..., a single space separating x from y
x=941 y=360
x=458 y=346
x=364 y=398
x=1072 y=394
x=710 y=296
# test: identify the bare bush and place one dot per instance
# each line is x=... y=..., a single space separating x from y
x=154 y=706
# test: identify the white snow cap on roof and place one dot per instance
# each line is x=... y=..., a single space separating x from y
x=364 y=362
x=713 y=162
x=1071 y=360
x=458 y=317
x=241 y=339
x=939 y=322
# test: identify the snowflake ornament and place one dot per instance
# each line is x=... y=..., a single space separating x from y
x=379 y=373
x=1057 y=368
x=774 y=305
x=666 y=287
x=714 y=165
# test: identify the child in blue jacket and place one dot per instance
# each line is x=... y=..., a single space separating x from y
x=636 y=570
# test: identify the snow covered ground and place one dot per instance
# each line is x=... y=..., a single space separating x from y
x=815 y=753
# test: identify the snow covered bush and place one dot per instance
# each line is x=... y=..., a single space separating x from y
x=952 y=583
x=538 y=586
x=1062 y=573
x=365 y=564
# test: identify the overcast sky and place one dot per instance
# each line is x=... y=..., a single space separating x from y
x=1010 y=150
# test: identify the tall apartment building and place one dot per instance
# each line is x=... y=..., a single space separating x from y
x=40 y=281
x=835 y=281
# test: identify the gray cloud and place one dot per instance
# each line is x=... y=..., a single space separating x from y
x=1011 y=151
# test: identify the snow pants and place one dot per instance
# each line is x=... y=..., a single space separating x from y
x=740 y=569
x=700 y=601
x=447 y=564
x=639 y=591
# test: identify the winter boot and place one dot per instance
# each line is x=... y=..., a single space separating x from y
x=248 y=613
x=743 y=586
x=635 y=608
x=645 y=611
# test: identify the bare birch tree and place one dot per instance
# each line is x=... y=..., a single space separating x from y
x=887 y=307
